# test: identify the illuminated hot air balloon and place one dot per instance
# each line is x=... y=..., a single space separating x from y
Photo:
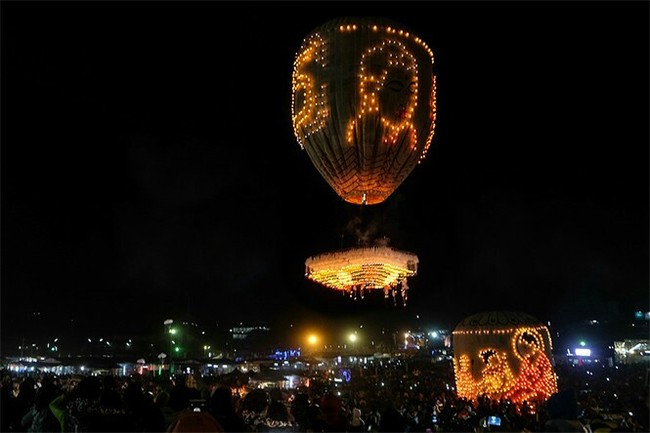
x=364 y=105
x=503 y=355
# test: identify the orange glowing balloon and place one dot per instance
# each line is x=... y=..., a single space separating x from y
x=503 y=355
x=364 y=105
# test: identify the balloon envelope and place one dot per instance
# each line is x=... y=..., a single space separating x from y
x=364 y=105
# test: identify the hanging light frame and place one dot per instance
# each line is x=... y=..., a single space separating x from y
x=353 y=271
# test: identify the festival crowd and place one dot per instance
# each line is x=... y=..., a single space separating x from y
x=420 y=398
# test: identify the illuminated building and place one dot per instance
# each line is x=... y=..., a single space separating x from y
x=503 y=354
x=241 y=332
x=356 y=270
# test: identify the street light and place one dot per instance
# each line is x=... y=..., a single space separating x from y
x=312 y=341
x=170 y=331
x=353 y=339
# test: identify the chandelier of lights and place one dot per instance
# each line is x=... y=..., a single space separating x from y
x=355 y=270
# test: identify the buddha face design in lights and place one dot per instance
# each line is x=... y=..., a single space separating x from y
x=388 y=90
x=510 y=364
x=536 y=378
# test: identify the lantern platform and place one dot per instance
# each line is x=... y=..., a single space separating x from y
x=355 y=270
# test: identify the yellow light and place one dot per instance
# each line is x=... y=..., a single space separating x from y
x=359 y=269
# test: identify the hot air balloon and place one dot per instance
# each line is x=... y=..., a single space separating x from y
x=364 y=105
x=503 y=355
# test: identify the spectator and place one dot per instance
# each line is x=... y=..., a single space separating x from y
x=222 y=407
x=40 y=418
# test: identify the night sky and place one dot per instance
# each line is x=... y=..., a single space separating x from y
x=150 y=171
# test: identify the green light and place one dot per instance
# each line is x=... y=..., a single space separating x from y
x=177 y=349
x=582 y=343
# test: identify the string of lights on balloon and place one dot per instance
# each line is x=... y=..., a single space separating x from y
x=364 y=131
x=503 y=355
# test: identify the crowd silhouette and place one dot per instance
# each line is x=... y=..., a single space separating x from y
x=416 y=398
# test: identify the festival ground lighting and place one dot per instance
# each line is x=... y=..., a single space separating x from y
x=355 y=270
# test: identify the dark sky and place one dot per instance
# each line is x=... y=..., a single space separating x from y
x=149 y=167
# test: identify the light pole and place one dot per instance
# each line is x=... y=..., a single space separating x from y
x=312 y=339
x=170 y=332
x=353 y=338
